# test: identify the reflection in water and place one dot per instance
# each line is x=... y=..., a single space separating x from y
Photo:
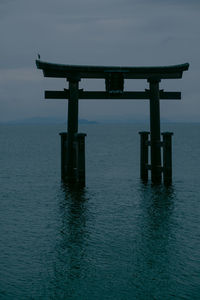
x=152 y=259
x=154 y=255
x=70 y=252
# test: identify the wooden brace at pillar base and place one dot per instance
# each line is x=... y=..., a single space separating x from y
x=166 y=168
x=73 y=171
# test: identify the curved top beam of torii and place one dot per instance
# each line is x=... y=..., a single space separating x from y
x=84 y=71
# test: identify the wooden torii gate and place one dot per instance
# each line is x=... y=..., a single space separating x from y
x=73 y=143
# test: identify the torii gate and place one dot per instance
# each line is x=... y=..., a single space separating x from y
x=73 y=143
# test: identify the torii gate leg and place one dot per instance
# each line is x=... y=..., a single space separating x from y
x=72 y=142
x=72 y=128
x=156 y=170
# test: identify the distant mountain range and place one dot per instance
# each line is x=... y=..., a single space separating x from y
x=52 y=120
x=38 y=120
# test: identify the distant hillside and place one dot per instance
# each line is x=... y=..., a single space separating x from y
x=37 y=120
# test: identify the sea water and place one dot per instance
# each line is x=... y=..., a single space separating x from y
x=115 y=239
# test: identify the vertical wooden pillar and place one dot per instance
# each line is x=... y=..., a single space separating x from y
x=63 y=155
x=80 y=159
x=155 y=131
x=144 y=155
x=167 y=157
x=72 y=128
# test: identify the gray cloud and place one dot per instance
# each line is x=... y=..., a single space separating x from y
x=112 y=32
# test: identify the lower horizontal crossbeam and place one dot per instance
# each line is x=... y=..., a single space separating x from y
x=106 y=95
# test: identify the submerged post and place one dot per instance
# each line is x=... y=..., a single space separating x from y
x=167 y=157
x=80 y=158
x=63 y=154
x=144 y=155
x=155 y=131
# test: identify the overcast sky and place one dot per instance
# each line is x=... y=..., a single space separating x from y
x=106 y=32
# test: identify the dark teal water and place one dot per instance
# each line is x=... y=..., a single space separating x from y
x=117 y=239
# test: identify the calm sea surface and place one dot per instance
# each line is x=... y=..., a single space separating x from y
x=117 y=238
